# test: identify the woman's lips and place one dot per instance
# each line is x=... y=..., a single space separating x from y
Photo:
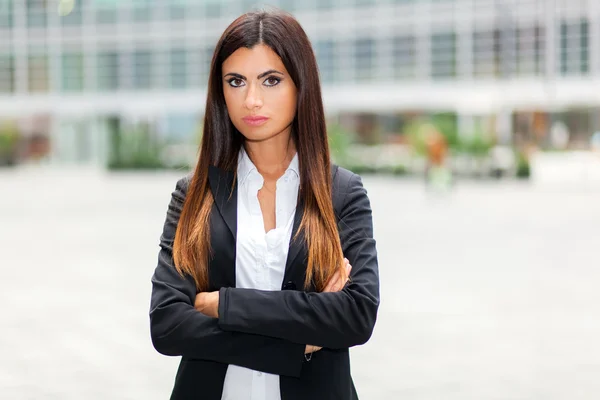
x=255 y=120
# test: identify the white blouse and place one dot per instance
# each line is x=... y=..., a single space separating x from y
x=260 y=261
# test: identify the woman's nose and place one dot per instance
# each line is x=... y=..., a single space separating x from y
x=253 y=98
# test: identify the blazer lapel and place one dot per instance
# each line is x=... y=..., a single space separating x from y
x=296 y=245
x=225 y=195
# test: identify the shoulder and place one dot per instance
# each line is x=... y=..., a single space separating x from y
x=181 y=187
x=184 y=182
x=341 y=178
x=346 y=186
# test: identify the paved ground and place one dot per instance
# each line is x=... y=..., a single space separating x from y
x=488 y=293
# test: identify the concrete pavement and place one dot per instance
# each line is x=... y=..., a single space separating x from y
x=490 y=292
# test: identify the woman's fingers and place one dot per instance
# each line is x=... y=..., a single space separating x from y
x=337 y=281
x=333 y=282
x=348 y=270
x=311 y=349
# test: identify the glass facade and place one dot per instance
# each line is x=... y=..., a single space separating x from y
x=88 y=51
x=36 y=13
x=404 y=44
x=143 y=67
x=325 y=54
x=443 y=55
x=574 y=47
x=6 y=14
x=38 y=72
x=531 y=50
x=72 y=72
x=108 y=71
x=178 y=72
x=404 y=56
x=7 y=73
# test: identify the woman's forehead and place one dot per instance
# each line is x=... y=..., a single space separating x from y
x=254 y=61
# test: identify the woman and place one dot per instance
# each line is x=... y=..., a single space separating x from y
x=252 y=288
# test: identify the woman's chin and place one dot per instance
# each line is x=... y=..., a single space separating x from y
x=258 y=135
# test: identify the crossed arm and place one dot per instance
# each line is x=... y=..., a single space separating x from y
x=268 y=330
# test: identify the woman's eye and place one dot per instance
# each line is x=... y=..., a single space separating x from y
x=235 y=82
x=272 y=81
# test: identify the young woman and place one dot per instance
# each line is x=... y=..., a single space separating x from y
x=267 y=272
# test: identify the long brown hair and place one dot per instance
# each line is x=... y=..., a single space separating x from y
x=221 y=143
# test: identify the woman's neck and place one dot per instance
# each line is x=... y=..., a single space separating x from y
x=272 y=157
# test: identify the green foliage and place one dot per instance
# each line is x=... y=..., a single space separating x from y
x=523 y=167
x=477 y=145
x=9 y=140
x=447 y=124
x=416 y=131
x=339 y=144
x=135 y=149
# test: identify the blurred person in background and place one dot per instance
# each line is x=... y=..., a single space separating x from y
x=252 y=288
x=438 y=174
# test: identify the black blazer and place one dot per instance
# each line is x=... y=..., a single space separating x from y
x=267 y=330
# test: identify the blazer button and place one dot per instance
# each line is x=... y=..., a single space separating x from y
x=289 y=286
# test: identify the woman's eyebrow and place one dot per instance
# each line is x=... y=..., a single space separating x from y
x=271 y=71
x=240 y=76
x=235 y=75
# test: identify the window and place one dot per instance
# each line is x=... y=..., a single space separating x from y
x=36 y=13
x=74 y=16
x=214 y=8
x=6 y=13
x=252 y=5
x=141 y=10
x=530 y=50
x=325 y=4
x=203 y=68
x=584 y=43
x=325 y=54
x=38 y=73
x=287 y=5
x=564 y=47
x=364 y=58
x=7 y=74
x=142 y=69
x=574 y=47
x=404 y=56
x=108 y=71
x=443 y=55
x=72 y=72
x=106 y=12
x=177 y=9
x=486 y=53
x=178 y=68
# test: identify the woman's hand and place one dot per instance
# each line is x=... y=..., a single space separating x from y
x=208 y=303
x=337 y=282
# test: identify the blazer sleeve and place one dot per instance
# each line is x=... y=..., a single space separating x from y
x=177 y=329
x=334 y=320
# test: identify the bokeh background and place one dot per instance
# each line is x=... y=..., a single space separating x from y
x=474 y=123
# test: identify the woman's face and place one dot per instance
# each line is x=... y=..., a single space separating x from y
x=259 y=93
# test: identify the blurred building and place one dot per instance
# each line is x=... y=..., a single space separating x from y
x=77 y=71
